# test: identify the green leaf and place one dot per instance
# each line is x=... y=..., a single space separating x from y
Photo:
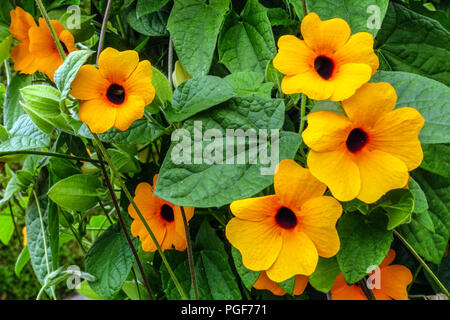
x=162 y=89
x=196 y=49
x=248 y=277
x=198 y=94
x=428 y=96
x=442 y=272
x=436 y=159
x=123 y=161
x=25 y=135
x=248 y=83
x=411 y=42
x=246 y=41
x=288 y=285
x=145 y=7
x=22 y=260
x=131 y=290
x=12 y=187
x=5 y=47
x=110 y=260
x=273 y=75
x=205 y=180
x=86 y=291
x=78 y=192
x=361 y=15
x=398 y=205
x=140 y=131
x=420 y=200
x=325 y=274
x=431 y=245
x=153 y=24
x=364 y=244
x=215 y=279
x=328 y=105
x=67 y=72
x=12 y=109
x=6 y=229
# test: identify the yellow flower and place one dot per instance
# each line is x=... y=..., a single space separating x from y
x=393 y=282
x=164 y=219
x=43 y=47
x=115 y=94
x=328 y=63
x=24 y=233
x=21 y=22
x=284 y=234
x=368 y=152
x=264 y=282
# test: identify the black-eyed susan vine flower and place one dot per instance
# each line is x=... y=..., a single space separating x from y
x=116 y=93
x=43 y=46
x=368 y=152
x=21 y=22
x=264 y=283
x=284 y=234
x=393 y=283
x=163 y=218
x=328 y=63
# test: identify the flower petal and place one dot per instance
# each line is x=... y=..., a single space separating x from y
x=309 y=83
x=117 y=66
x=294 y=185
x=394 y=281
x=348 y=78
x=326 y=131
x=97 y=114
x=300 y=284
x=69 y=41
x=298 y=255
x=369 y=103
x=397 y=133
x=318 y=219
x=324 y=37
x=89 y=84
x=380 y=172
x=264 y=283
x=342 y=291
x=23 y=60
x=21 y=22
x=388 y=259
x=140 y=82
x=256 y=209
x=293 y=56
x=132 y=109
x=358 y=49
x=338 y=171
x=259 y=242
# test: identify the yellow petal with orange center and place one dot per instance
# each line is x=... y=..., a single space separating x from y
x=298 y=255
x=256 y=209
x=358 y=49
x=23 y=60
x=294 y=185
x=69 y=41
x=132 y=109
x=369 y=103
x=117 y=66
x=89 y=84
x=259 y=242
x=318 y=218
x=140 y=82
x=97 y=114
x=397 y=133
x=348 y=78
x=264 y=283
x=21 y=22
x=394 y=281
x=326 y=131
x=380 y=172
x=324 y=36
x=338 y=171
x=293 y=56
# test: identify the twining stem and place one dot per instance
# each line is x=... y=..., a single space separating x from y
x=302 y=114
x=52 y=30
x=7 y=72
x=305 y=11
x=50 y=154
x=170 y=63
x=365 y=289
x=123 y=226
x=103 y=30
x=189 y=252
x=141 y=217
x=422 y=262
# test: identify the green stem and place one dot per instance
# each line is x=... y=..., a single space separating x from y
x=7 y=72
x=52 y=30
x=50 y=154
x=305 y=11
x=365 y=289
x=302 y=114
x=189 y=252
x=422 y=262
x=141 y=217
x=119 y=22
x=80 y=243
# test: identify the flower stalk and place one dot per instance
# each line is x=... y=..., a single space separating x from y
x=189 y=252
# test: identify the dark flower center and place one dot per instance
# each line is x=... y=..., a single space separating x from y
x=66 y=51
x=285 y=218
x=167 y=213
x=324 y=66
x=116 y=93
x=356 y=140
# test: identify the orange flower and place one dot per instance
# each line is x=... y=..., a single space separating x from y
x=164 y=219
x=43 y=47
x=394 y=280
x=264 y=282
x=368 y=152
x=115 y=94
x=328 y=63
x=284 y=234
x=21 y=22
